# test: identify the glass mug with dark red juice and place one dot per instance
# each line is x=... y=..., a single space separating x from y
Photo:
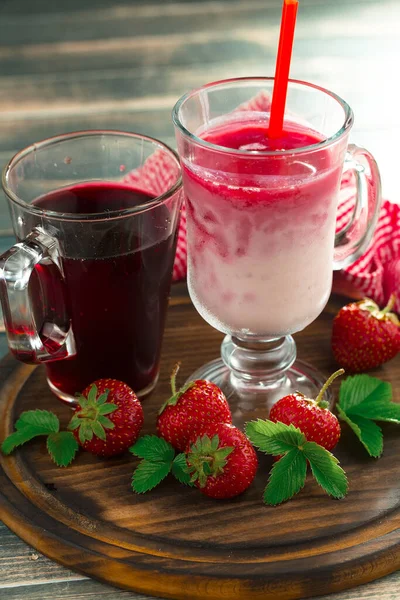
x=85 y=290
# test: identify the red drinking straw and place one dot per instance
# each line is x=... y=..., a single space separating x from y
x=288 y=24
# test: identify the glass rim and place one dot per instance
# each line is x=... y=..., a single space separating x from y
x=100 y=216
x=347 y=124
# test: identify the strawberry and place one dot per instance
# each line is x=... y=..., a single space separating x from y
x=112 y=434
x=365 y=337
x=190 y=409
x=221 y=461
x=312 y=417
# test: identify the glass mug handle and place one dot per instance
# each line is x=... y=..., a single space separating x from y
x=38 y=252
x=353 y=239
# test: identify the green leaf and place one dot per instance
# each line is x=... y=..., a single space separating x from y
x=214 y=443
x=360 y=388
x=62 y=447
x=368 y=432
x=180 y=469
x=153 y=448
x=377 y=410
x=222 y=453
x=21 y=437
x=105 y=422
x=98 y=430
x=85 y=433
x=287 y=477
x=30 y=424
x=106 y=409
x=274 y=438
x=206 y=458
x=326 y=470
x=41 y=419
x=102 y=399
x=82 y=401
x=74 y=423
x=148 y=475
x=201 y=441
x=92 y=395
x=363 y=400
x=206 y=468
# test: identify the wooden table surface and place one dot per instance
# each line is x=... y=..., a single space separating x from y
x=86 y=64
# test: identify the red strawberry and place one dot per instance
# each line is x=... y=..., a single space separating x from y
x=112 y=434
x=312 y=417
x=190 y=409
x=222 y=461
x=364 y=337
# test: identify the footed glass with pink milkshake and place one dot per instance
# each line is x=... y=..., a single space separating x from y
x=261 y=220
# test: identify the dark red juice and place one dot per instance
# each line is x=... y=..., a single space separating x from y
x=117 y=276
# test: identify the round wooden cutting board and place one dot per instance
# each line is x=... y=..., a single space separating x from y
x=175 y=543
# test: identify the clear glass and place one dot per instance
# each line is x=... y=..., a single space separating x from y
x=261 y=226
x=85 y=289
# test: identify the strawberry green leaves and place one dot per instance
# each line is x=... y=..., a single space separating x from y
x=326 y=470
x=149 y=474
x=362 y=401
x=61 y=446
x=368 y=432
x=91 y=419
x=41 y=419
x=363 y=389
x=30 y=424
x=288 y=475
x=274 y=438
x=180 y=470
x=153 y=449
x=158 y=460
x=207 y=459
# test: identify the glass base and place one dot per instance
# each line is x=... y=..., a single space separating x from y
x=254 y=401
x=71 y=400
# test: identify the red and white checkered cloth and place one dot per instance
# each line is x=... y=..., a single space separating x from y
x=376 y=274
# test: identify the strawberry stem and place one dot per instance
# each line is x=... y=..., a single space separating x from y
x=390 y=304
x=173 y=377
x=175 y=394
x=319 y=399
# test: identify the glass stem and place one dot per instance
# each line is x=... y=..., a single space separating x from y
x=258 y=363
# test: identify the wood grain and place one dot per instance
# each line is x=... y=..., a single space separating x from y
x=306 y=547
x=25 y=574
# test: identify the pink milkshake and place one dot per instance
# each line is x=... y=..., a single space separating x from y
x=260 y=226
